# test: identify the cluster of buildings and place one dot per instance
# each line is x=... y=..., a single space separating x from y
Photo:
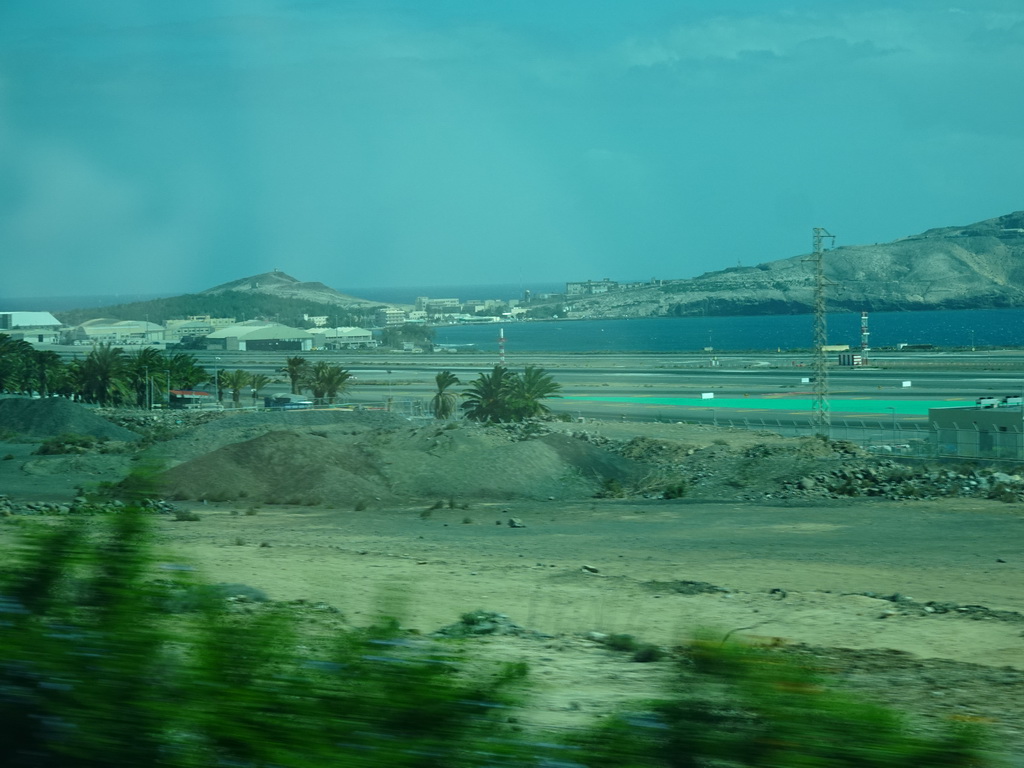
x=225 y=333
x=452 y=310
x=218 y=333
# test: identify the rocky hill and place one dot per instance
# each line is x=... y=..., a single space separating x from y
x=971 y=267
x=273 y=295
x=284 y=286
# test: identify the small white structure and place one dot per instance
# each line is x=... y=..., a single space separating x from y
x=33 y=327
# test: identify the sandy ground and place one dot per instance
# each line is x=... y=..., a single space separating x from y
x=823 y=559
x=787 y=576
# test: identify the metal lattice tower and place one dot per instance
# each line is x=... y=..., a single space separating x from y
x=821 y=418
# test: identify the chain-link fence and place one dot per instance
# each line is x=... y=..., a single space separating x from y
x=967 y=441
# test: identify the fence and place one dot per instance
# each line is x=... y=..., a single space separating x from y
x=923 y=440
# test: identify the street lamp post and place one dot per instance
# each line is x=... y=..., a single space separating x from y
x=168 y=375
x=216 y=376
x=893 y=412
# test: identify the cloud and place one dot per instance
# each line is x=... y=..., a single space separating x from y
x=69 y=219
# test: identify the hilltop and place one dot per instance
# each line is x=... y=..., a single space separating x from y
x=284 y=286
x=271 y=295
x=977 y=266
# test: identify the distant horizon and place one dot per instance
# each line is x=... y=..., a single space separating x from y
x=384 y=294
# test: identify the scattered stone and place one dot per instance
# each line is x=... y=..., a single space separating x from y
x=477 y=623
x=515 y=522
x=589 y=569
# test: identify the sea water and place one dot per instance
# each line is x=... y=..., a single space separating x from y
x=961 y=328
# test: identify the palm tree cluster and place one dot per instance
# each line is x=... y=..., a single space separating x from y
x=323 y=380
x=499 y=396
x=106 y=376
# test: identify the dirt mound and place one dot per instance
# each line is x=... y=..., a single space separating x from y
x=345 y=467
x=54 y=416
x=279 y=468
x=240 y=427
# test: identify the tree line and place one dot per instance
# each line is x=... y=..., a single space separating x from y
x=107 y=375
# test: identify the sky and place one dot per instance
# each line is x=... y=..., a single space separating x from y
x=169 y=147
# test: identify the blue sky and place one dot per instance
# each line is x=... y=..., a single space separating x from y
x=170 y=147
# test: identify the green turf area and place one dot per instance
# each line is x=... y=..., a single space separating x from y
x=774 y=403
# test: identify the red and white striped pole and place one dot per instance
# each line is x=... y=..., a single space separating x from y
x=501 y=346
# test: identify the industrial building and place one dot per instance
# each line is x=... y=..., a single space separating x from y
x=33 y=327
x=105 y=330
x=195 y=326
x=346 y=337
x=256 y=335
x=993 y=428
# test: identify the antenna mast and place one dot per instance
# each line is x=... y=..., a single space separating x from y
x=821 y=418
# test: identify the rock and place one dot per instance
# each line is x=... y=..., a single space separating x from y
x=589 y=569
x=807 y=483
x=515 y=522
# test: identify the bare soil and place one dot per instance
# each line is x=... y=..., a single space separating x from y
x=915 y=603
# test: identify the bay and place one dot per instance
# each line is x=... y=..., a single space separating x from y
x=959 y=328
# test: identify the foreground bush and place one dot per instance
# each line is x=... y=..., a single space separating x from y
x=95 y=672
x=103 y=665
x=733 y=705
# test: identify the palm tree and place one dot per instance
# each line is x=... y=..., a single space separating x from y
x=297 y=368
x=506 y=396
x=143 y=369
x=15 y=362
x=488 y=395
x=103 y=376
x=235 y=381
x=48 y=368
x=185 y=371
x=326 y=381
x=529 y=388
x=442 y=404
x=258 y=381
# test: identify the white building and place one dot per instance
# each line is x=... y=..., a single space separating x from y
x=195 y=326
x=33 y=327
x=390 y=316
x=254 y=335
x=343 y=338
x=105 y=330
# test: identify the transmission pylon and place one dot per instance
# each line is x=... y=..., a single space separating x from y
x=821 y=418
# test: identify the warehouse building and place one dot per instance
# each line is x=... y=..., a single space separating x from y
x=256 y=335
x=342 y=338
x=33 y=327
x=105 y=330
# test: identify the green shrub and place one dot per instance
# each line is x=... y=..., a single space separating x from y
x=611 y=489
x=126 y=679
x=67 y=443
x=675 y=490
x=737 y=706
